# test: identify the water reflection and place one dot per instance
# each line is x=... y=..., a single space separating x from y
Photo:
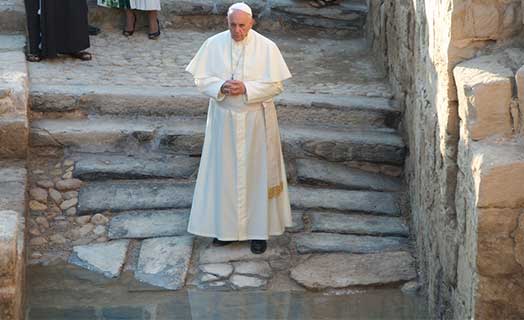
x=65 y=292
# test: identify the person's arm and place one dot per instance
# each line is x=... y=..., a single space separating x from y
x=210 y=86
x=261 y=91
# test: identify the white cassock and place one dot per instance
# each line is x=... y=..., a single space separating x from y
x=241 y=189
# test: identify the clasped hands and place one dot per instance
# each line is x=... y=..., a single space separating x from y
x=233 y=88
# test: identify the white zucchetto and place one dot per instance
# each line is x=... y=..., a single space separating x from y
x=239 y=6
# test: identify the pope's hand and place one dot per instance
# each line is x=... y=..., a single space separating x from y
x=233 y=88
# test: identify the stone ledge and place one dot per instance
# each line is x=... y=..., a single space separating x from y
x=485 y=93
x=12 y=16
x=14 y=93
x=12 y=233
x=499 y=171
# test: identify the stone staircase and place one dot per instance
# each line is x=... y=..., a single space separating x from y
x=134 y=151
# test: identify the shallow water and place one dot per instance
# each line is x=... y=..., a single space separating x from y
x=66 y=292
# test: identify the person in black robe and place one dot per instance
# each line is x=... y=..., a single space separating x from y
x=57 y=27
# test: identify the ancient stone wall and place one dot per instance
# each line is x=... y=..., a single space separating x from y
x=420 y=42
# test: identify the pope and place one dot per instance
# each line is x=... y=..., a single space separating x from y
x=241 y=190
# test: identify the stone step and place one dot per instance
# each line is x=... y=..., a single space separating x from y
x=149 y=224
x=347 y=15
x=186 y=136
x=134 y=195
x=323 y=172
x=293 y=108
x=359 y=224
x=168 y=194
x=339 y=270
x=109 y=166
x=12 y=16
x=382 y=203
x=350 y=14
x=331 y=242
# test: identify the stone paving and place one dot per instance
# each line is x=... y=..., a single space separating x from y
x=319 y=65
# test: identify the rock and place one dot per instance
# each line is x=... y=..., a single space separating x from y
x=67 y=175
x=208 y=278
x=102 y=239
x=327 y=242
x=411 y=287
x=38 y=241
x=99 y=219
x=70 y=195
x=146 y=224
x=55 y=196
x=239 y=252
x=56 y=173
x=58 y=239
x=344 y=270
x=69 y=203
x=83 y=220
x=257 y=268
x=36 y=255
x=106 y=258
x=221 y=270
x=99 y=230
x=38 y=194
x=241 y=282
x=71 y=211
x=164 y=262
x=358 y=224
x=37 y=206
x=42 y=221
x=85 y=229
x=34 y=231
x=68 y=184
x=46 y=184
x=68 y=162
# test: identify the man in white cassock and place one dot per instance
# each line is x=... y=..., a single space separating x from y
x=241 y=189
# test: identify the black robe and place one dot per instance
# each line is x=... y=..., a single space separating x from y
x=61 y=27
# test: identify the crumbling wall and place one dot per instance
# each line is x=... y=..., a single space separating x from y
x=420 y=42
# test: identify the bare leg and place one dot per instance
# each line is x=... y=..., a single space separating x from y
x=153 y=24
x=130 y=21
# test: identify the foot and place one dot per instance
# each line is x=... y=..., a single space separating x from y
x=154 y=30
x=33 y=57
x=258 y=246
x=220 y=243
x=93 y=31
x=130 y=24
x=82 y=55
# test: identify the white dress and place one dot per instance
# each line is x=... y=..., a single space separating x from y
x=231 y=194
x=146 y=5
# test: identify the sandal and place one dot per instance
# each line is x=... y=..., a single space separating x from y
x=155 y=35
x=82 y=55
x=31 y=57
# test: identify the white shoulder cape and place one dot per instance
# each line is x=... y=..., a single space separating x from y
x=263 y=60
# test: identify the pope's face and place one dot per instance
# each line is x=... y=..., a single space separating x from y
x=239 y=24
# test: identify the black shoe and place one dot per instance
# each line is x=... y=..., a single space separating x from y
x=258 y=246
x=92 y=30
x=220 y=243
x=155 y=35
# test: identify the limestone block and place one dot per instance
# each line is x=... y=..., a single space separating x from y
x=13 y=105
x=519 y=77
x=485 y=94
x=498 y=170
x=476 y=20
x=10 y=293
x=496 y=246
x=499 y=296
